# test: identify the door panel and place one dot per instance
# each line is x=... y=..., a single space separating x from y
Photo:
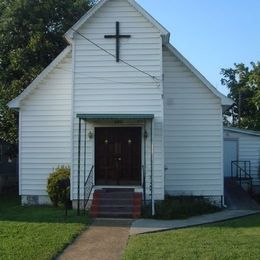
x=230 y=154
x=118 y=156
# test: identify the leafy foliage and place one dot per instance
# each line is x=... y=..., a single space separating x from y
x=58 y=186
x=183 y=207
x=244 y=86
x=31 y=36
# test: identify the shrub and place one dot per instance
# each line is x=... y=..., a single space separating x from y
x=58 y=186
x=182 y=207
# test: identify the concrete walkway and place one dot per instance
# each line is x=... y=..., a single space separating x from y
x=142 y=226
x=238 y=198
x=105 y=239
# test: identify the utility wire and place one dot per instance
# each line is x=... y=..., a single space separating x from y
x=112 y=81
x=109 y=53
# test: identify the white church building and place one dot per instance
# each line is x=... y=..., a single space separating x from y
x=124 y=109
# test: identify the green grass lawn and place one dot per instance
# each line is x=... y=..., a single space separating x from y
x=235 y=239
x=36 y=232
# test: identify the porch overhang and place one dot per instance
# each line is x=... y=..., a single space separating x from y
x=82 y=138
x=100 y=117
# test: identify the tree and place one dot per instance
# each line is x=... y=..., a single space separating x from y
x=244 y=86
x=31 y=36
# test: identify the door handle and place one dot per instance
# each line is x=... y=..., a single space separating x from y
x=119 y=159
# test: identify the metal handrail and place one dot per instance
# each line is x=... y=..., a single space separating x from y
x=144 y=186
x=246 y=176
x=88 y=184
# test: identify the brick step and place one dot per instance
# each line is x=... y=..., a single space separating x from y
x=114 y=195
x=111 y=190
x=113 y=215
x=112 y=205
x=116 y=203
x=116 y=209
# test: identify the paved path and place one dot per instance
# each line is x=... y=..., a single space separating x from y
x=150 y=225
x=238 y=198
x=105 y=239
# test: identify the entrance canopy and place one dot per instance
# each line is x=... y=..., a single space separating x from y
x=115 y=116
x=132 y=148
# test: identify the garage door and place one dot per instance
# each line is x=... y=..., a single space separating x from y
x=230 y=154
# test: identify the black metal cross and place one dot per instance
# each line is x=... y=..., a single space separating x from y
x=117 y=36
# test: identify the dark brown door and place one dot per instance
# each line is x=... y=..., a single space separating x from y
x=118 y=156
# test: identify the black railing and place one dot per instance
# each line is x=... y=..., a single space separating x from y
x=88 y=186
x=144 y=186
x=241 y=171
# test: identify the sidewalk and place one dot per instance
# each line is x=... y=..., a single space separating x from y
x=105 y=239
x=142 y=226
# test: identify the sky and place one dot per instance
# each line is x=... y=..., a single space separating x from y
x=211 y=34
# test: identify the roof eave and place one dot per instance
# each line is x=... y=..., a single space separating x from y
x=242 y=131
x=225 y=101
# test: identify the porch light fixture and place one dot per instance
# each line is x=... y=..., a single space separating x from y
x=145 y=134
x=90 y=135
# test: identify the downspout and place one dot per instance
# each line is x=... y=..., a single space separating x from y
x=144 y=167
x=223 y=202
x=79 y=143
x=85 y=163
x=152 y=195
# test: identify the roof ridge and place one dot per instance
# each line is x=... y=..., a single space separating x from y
x=70 y=33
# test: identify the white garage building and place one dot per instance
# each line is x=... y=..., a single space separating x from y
x=242 y=146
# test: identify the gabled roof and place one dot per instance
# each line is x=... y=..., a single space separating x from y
x=225 y=101
x=242 y=131
x=15 y=103
x=70 y=33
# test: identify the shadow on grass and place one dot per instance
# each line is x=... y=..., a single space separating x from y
x=240 y=222
x=11 y=210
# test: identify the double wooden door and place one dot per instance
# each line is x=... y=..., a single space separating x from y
x=118 y=156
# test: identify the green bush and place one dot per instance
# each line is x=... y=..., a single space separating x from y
x=58 y=186
x=182 y=207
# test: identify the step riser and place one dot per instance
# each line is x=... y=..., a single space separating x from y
x=115 y=196
x=116 y=204
x=114 y=210
x=112 y=215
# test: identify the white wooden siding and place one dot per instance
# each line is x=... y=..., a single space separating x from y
x=103 y=86
x=248 y=150
x=192 y=133
x=45 y=129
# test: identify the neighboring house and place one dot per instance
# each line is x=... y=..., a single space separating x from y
x=242 y=146
x=8 y=166
x=137 y=112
